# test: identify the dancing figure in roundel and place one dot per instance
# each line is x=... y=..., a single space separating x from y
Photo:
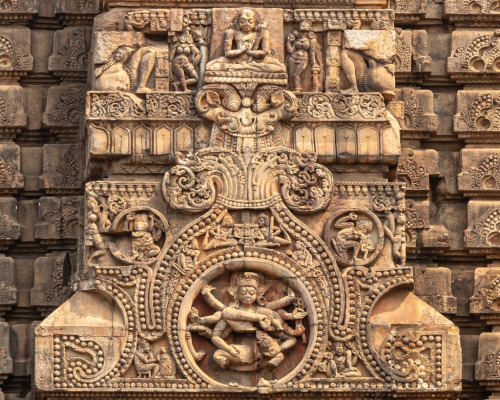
x=258 y=328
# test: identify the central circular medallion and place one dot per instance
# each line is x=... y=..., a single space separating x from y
x=247 y=322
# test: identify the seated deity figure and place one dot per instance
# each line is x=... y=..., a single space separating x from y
x=259 y=329
x=246 y=46
x=344 y=362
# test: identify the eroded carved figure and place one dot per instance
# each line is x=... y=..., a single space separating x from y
x=259 y=328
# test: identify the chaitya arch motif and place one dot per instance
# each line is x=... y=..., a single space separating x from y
x=226 y=255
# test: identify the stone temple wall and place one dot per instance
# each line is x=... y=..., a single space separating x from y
x=347 y=171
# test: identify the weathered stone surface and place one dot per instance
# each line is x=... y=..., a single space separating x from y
x=15 y=47
x=62 y=171
x=485 y=299
x=479 y=174
x=9 y=226
x=5 y=352
x=415 y=167
x=12 y=111
x=8 y=291
x=433 y=285
x=483 y=13
x=78 y=12
x=58 y=218
x=419 y=120
x=476 y=119
x=286 y=279
x=473 y=56
x=18 y=11
x=482 y=232
x=50 y=288
x=70 y=53
x=487 y=353
x=65 y=108
x=412 y=58
x=11 y=178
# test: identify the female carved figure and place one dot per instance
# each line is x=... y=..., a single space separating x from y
x=246 y=46
x=303 y=51
x=185 y=56
x=260 y=332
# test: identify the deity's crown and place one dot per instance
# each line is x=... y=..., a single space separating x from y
x=248 y=279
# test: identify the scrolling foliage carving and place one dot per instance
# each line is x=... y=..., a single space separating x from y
x=273 y=281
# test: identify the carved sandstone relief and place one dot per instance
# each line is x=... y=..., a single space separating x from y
x=70 y=53
x=484 y=302
x=481 y=234
x=479 y=174
x=474 y=56
x=244 y=268
x=480 y=13
x=433 y=285
x=61 y=168
x=18 y=11
x=412 y=58
x=476 y=119
x=65 y=109
x=418 y=119
x=8 y=290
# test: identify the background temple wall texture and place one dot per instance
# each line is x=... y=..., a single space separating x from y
x=446 y=101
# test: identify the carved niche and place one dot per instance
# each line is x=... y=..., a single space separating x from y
x=220 y=256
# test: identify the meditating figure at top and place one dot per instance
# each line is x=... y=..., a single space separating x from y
x=246 y=46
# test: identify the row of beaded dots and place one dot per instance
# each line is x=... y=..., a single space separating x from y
x=105 y=283
x=390 y=278
x=60 y=342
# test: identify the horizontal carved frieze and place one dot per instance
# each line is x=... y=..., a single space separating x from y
x=472 y=13
x=408 y=11
x=18 y=11
x=76 y=12
x=252 y=3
